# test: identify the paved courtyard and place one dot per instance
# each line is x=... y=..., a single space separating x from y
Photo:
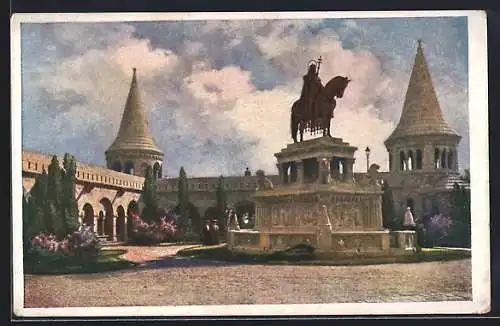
x=163 y=280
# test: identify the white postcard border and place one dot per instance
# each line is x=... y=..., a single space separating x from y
x=479 y=165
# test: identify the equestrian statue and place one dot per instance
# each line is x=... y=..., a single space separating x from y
x=313 y=111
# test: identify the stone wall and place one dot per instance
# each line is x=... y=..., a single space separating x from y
x=34 y=163
x=102 y=193
x=345 y=211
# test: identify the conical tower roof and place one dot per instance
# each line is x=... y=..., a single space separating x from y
x=134 y=133
x=421 y=113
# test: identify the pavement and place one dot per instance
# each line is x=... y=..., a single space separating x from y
x=162 y=279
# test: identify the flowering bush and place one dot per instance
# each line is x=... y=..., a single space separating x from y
x=84 y=242
x=49 y=243
x=81 y=245
x=153 y=232
x=436 y=229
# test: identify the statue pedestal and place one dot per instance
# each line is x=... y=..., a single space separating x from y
x=319 y=204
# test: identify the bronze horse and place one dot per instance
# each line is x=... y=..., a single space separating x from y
x=324 y=104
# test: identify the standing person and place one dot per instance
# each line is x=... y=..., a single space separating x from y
x=408 y=221
x=409 y=225
x=206 y=233
x=214 y=232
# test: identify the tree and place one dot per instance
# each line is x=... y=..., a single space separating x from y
x=53 y=203
x=69 y=203
x=33 y=212
x=52 y=206
x=148 y=198
x=183 y=200
x=460 y=231
x=221 y=200
x=390 y=220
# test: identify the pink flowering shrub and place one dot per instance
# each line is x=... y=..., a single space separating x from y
x=44 y=248
x=152 y=232
x=49 y=243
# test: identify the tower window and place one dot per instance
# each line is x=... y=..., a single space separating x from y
x=402 y=161
x=450 y=159
x=418 y=159
x=437 y=159
x=411 y=161
x=129 y=167
x=443 y=159
x=117 y=166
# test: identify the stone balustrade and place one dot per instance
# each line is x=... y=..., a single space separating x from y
x=35 y=163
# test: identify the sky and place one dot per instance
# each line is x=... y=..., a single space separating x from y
x=218 y=93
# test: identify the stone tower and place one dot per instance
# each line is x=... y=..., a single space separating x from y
x=423 y=157
x=134 y=148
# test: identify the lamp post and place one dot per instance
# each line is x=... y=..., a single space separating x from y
x=367 y=152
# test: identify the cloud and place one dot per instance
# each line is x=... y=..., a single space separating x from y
x=219 y=93
x=219 y=89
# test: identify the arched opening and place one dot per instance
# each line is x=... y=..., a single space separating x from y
x=211 y=213
x=341 y=168
x=107 y=208
x=156 y=170
x=443 y=159
x=160 y=172
x=245 y=210
x=116 y=166
x=437 y=158
x=100 y=223
x=292 y=172
x=88 y=215
x=132 y=208
x=194 y=216
x=129 y=167
x=450 y=159
x=411 y=161
x=120 y=223
x=402 y=161
x=418 y=159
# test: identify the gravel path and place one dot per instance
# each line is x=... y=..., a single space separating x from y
x=161 y=280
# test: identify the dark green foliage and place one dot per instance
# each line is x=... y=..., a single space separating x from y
x=221 y=200
x=56 y=263
x=390 y=220
x=51 y=206
x=460 y=230
x=183 y=201
x=69 y=203
x=148 y=198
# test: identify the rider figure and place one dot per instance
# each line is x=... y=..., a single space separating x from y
x=310 y=90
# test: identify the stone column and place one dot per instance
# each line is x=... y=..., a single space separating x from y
x=379 y=223
x=113 y=235
x=125 y=229
x=94 y=226
x=455 y=159
x=348 y=169
x=283 y=171
x=80 y=218
x=444 y=161
x=334 y=168
x=103 y=225
x=341 y=161
x=324 y=170
x=428 y=157
x=300 y=171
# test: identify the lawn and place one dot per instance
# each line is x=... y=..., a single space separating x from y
x=108 y=260
x=220 y=252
